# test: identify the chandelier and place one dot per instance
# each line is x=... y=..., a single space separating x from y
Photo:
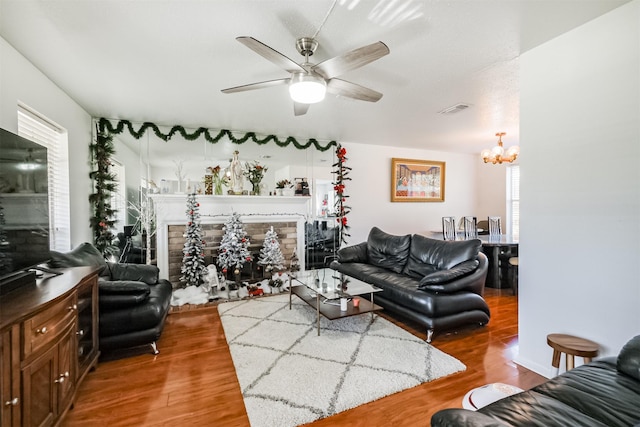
x=498 y=155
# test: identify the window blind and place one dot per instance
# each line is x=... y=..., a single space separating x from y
x=37 y=128
x=513 y=200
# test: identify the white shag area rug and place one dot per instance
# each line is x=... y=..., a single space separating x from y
x=290 y=376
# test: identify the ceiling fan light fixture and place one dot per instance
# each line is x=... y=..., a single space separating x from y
x=307 y=88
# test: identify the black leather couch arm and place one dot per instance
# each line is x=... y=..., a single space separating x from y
x=355 y=253
x=121 y=293
x=470 y=281
x=148 y=274
x=454 y=417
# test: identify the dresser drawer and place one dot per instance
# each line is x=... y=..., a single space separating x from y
x=47 y=325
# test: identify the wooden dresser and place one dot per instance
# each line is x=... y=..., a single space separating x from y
x=48 y=343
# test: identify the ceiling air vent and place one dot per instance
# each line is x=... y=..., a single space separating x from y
x=454 y=109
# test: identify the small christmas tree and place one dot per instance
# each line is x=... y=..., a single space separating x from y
x=270 y=254
x=294 y=265
x=233 y=252
x=193 y=268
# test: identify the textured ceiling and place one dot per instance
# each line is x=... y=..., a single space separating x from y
x=166 y=62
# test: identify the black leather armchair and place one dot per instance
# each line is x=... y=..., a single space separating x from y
x=133 y=301
x=605 y=392
x=134 y=304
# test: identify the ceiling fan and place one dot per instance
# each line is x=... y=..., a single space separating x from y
x=308 y=83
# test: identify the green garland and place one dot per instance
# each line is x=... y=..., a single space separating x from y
x=106 y=127
x=102 y=222
x=342 y=175
x=103 y=219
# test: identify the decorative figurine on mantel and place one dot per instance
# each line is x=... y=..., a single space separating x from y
x=236 y=174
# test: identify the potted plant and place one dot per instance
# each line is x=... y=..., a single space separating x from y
x=254 y=172
x=281 y=185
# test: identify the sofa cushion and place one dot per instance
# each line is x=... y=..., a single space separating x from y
x=437 y=280
x=428 y=255
x=388 y=251
x=84 y=255
x=629 y=358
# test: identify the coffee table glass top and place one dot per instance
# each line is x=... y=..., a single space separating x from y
x=326 y=282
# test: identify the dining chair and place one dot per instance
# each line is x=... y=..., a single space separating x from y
x=483 y=226
x=470 y=227
x=495 y=228
x=449 y=227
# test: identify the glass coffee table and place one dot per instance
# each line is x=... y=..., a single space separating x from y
x=322 y=290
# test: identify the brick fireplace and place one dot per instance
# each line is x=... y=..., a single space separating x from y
x=212 y=235
x=286 y=214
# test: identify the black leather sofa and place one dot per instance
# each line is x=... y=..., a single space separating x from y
x=603 y=393
x=438 y=284
x=133 y=301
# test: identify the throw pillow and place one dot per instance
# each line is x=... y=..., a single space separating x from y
x=629 y=358
x=438 y=280
x=84 y=255
x=388 y=251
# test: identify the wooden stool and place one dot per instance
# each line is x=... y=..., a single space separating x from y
x=571 y=346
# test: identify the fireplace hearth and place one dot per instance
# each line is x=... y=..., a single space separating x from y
x=287 y=215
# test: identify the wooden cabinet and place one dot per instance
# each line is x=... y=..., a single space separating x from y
x=10 y=401
x=49 y=343
x=87 y=332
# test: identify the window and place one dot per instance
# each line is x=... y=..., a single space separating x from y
x=513 y=200
x=37 y=128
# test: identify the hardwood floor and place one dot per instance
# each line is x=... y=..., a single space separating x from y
x=192 y=381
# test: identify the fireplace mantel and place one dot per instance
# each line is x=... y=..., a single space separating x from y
x=170 y=210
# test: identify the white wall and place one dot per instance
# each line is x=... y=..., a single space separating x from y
x=21 y=81
x=580 y=209
x=370 y=191
x=491 y=188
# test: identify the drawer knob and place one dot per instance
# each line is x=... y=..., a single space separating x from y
x=73 y=307
x=80 y=333
x=42 y=330
x=12 y=402
x=62 y=377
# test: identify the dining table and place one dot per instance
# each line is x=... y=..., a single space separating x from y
x=493 y=246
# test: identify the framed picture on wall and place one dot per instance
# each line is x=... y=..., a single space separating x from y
x=417 y=180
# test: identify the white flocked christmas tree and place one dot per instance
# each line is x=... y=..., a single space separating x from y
x=193 y=267
x=270 y=255
x=233 y=252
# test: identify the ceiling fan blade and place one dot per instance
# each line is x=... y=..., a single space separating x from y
x=259 y=85
x=351 y=90
x=300 y=109
x=351 y=60
x=270 y=54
